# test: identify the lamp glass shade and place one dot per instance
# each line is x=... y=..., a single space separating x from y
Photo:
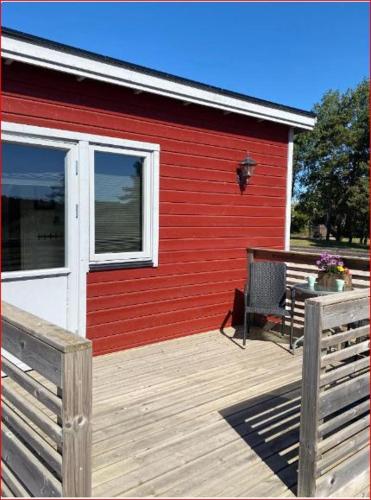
x=248 y=162
x=248 y=166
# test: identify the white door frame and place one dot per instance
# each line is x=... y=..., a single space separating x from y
x=71 y=268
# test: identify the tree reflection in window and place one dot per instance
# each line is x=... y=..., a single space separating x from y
x=118 y=203
x=33 y=207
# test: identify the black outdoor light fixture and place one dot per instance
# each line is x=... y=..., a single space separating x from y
x=245 y=171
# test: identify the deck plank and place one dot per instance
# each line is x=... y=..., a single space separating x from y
x=197 y=416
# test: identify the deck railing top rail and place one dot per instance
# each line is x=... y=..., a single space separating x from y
x=356 y=263
x=48 y=333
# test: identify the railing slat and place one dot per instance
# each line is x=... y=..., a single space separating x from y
x=32 y=438
x=345 y=370
x=336 y=478
x=343 y=418
x=343 y=395
x=25 y=465
x=17 y=488
x=343 y=450
x=5 y=490
x=342 y=313
x=34 y=414
x=32 y=386
x=339 y=338
x=345 y=353
x=339 y=436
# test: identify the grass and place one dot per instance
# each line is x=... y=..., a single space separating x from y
x=313 y=244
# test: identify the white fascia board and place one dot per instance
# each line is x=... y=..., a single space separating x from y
x=47 y=57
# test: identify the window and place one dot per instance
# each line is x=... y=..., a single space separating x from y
x=33 y=207
x=71 y=198
x=123 y=206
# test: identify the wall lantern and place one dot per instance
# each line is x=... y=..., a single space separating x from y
x=245 y=171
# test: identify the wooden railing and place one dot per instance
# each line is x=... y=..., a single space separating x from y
x=334 y=424
x=46 y=412
x=302 y=264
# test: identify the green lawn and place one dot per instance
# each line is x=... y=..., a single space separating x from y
x=314 y=244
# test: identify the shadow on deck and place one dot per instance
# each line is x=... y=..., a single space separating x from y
x=269 y=424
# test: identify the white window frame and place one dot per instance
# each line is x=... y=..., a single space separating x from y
x=150 y=201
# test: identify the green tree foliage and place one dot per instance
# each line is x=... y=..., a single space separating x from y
x=299 y=221
x=331 y=171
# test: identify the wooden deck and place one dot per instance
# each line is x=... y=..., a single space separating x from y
x=197 y=417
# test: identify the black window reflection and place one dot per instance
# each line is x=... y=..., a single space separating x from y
x=33 y=207
x=118 y=202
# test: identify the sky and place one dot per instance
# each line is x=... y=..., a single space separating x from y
x=290 y=53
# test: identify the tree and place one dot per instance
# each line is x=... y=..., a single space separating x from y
x=331 y=173
x=299 y=220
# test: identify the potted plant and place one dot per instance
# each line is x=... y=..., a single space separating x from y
x=331 y=268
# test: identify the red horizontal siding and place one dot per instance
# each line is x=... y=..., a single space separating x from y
x=218 y=221
x=215 y=244
x=149 y=296
x=143 y=311
x=211 y=175
x=206 y=223
x=224 y=200
x=223 y=210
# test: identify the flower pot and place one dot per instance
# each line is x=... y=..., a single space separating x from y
x=328 y=280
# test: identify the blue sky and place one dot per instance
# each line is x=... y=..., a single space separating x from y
x=289 y=52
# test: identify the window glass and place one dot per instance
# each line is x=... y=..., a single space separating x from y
x=33 y=207
x=118 y=202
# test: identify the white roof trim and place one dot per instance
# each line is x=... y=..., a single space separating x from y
x=48 y=57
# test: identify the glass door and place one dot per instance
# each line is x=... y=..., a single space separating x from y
x=39 y=224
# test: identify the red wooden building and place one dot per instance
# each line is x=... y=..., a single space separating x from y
x=125 y=213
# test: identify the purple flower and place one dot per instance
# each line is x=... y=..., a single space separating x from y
x=329 y=262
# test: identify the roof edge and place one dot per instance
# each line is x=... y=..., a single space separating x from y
x=21 y=46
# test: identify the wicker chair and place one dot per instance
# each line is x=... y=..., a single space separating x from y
x=266 y=294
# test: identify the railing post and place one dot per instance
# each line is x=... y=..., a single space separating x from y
x=310 y=399
x=76 y=421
